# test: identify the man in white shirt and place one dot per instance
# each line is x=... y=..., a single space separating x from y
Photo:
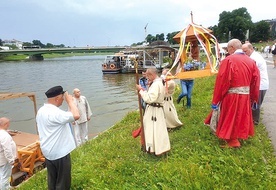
x=56 y=137
x=264 y=82
x=81 y=125
x=7 y=154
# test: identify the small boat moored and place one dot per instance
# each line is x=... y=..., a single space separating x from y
x=112 y=64
x=143 y=57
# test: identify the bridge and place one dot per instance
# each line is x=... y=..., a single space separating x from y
x=36 y=54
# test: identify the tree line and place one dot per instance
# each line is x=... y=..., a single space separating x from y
x=232 y=24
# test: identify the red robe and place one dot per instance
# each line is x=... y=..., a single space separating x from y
x=235 y=120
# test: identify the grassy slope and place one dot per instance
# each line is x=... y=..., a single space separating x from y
x=114 y=160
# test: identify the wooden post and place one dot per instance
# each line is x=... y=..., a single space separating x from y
x=142 y=134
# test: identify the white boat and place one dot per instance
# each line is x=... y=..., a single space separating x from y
x=143 y=57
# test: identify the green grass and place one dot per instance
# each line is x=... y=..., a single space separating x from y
x=114 y=160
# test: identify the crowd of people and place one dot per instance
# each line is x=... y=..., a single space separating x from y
x=240 y=87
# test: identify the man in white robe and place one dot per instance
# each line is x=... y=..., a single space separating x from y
x=7 y=154
x=172 y=120
x=155 y=129
x=81 y=125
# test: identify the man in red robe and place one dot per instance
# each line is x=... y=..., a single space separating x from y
x=236 y=91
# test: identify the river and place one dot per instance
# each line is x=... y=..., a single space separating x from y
x=110 y=97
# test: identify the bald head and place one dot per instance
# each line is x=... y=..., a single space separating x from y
x=76 y=93
x=4 y=123
x=233 y=45
x=247 y=48
x=151 y=74
x=152 y=71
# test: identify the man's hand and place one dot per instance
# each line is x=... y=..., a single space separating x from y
x=68 y=98
x=138 y=87
x=214 y=107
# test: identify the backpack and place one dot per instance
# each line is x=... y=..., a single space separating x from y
x=274 y=50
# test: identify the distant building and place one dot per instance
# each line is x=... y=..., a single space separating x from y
x=4 y=48
x=272 y=24
x=17 y=43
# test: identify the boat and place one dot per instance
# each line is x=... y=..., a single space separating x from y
x=113 y=64
x=29 y=156
x=142 y=57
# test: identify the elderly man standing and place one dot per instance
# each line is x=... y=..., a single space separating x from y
x=171 y=116
x=155 y=129
x=81 y=125
x=7 y=154
x=264 y=82
x=236 y=90
x=56 y=137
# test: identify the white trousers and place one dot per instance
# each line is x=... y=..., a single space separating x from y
x=81 y=133
x=5 y=176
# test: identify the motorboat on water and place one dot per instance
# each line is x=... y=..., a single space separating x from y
x=140 y=58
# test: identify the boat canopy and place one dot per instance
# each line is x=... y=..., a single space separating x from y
x=188 y=58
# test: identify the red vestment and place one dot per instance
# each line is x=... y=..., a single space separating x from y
x=235 y=120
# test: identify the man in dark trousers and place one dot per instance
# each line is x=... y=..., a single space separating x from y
x=56 y=137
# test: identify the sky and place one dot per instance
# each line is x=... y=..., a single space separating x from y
x=83 y=23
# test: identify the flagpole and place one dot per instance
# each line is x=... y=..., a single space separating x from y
x=142 y=134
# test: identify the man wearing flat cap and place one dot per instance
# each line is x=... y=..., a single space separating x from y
x=56 y=137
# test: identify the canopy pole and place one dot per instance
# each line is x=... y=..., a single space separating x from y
x=192 y=19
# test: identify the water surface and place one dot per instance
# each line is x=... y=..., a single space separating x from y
x=111 y=97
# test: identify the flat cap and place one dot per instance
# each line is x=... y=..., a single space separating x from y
x=54 y=91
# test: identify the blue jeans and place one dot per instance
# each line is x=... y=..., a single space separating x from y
x=187 y=87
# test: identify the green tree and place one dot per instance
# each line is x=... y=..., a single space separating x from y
x=170 y=37
x=260 y=32
x=49 y=45
x=38 y=43
x=27 y=44
x=150 y=38
x=234 y=24
x=160 y=37
x=60 y=46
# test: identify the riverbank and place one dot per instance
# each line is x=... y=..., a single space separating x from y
x=113 y=160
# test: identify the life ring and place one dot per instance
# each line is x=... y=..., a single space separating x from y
x=112 y=66
x=104 y=66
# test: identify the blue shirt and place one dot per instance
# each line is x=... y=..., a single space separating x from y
x=143 y=82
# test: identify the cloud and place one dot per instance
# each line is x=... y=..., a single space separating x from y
x=112 y=22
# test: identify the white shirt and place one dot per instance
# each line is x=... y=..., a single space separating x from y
x=84 y=109
x=7 y=148
x=55 y=133
x=266 y=49
x=261 y=64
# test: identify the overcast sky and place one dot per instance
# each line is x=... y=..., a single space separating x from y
x=113 y=22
